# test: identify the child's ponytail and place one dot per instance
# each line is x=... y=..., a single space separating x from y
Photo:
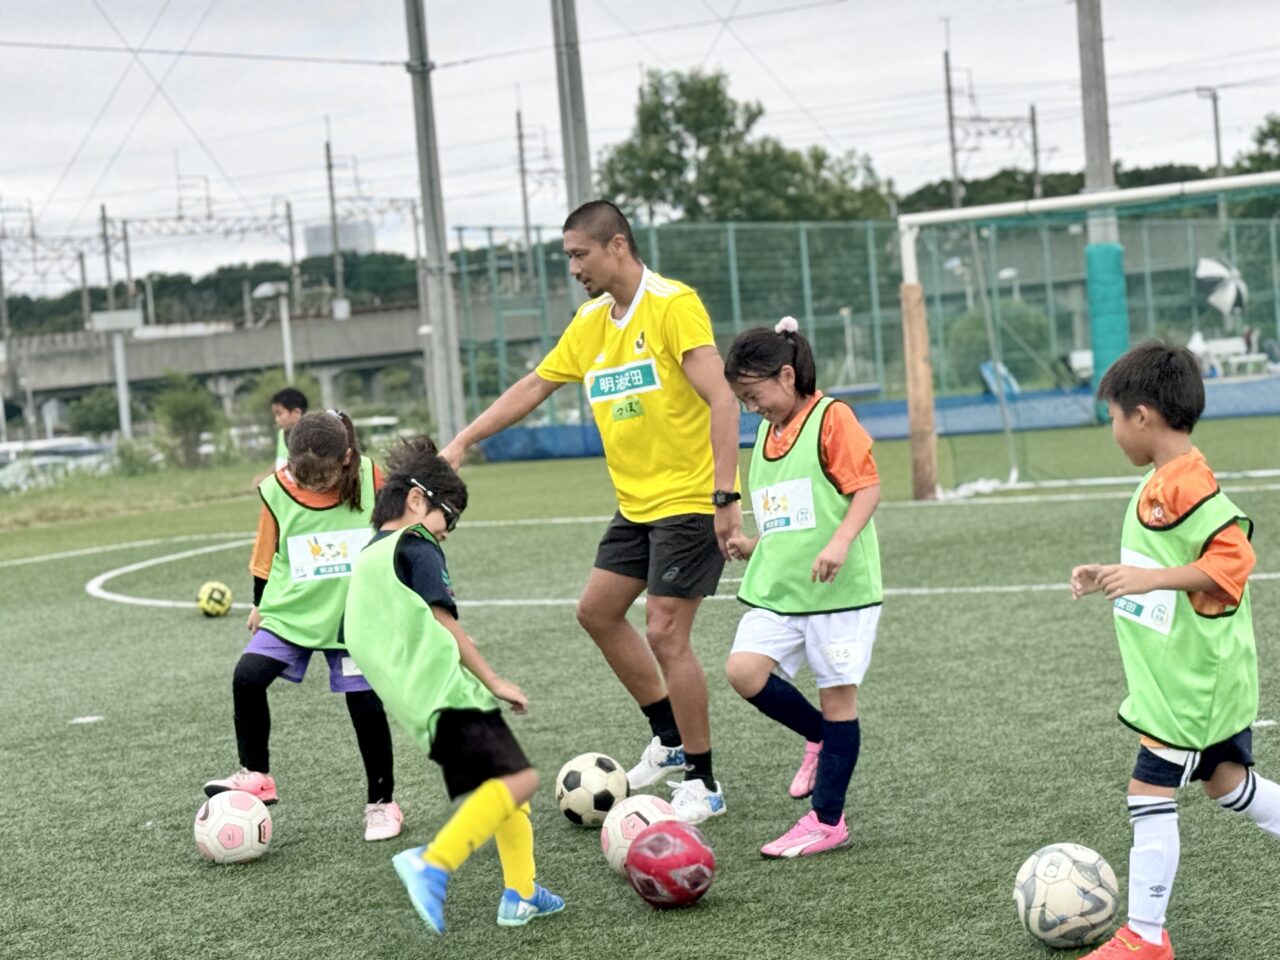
x=349 y=483
x=761 y=353
x=324 y=454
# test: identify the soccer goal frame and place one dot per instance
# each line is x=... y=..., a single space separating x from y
x=915 y=325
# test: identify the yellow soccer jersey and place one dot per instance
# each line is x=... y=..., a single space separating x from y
x=655 y=427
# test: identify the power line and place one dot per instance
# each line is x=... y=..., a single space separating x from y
x=776 y=79
x=75 y=154
x=158 y=88
x=372 y=62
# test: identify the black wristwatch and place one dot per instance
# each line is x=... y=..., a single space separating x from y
x=722 y=498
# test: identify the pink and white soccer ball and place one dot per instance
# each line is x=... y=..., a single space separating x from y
x=627 y=820
x=233 y=827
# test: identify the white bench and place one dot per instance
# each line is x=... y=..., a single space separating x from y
x=1232 y=354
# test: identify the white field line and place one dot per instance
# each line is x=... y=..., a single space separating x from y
x=1063 y=587
x=557 y=521
x=96 y=589
x=91 y=551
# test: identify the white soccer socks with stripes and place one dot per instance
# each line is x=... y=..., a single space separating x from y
x=1153 y=862
x=1258 y=799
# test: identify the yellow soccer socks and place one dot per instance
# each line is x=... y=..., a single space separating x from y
x=481 y=816
x=515 y=849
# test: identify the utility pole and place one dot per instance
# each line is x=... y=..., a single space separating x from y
x=1037 y=188
x=1098 y=173
x=957 y=193
x=1103 y=255
x=4 y=347
x=524 y=192
x=434 y=387
x=131 y=291
x=573 y=109
x=338 y=285
x=295 y=275
x=85 y=309
x=106 y=255
x=445 y=353
x=1211 y=94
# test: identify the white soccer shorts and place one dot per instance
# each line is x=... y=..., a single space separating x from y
x=836 y=646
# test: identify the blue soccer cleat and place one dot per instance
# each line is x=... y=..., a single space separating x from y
x=427 y=886
x=515 y=911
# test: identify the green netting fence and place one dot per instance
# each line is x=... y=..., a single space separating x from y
x=841 y=281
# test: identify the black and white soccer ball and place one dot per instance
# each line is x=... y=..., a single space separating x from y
x=1066 y=895
x=588 y=786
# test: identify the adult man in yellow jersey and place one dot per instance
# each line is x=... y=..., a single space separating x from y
x=643 y=349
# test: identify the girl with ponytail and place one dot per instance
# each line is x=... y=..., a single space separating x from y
x=813 y=572
x=314 y=521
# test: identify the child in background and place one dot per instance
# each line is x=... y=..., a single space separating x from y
x=813 y=579
x=288 y=406
x=1183 y=622
x=314 y=520
x=402 y=629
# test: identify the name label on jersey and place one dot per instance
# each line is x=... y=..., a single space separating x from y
x=322 y=556
x=613 y=383
x=1153 y=610
x=784 y=507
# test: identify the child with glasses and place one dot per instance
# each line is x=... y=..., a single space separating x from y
x=314 y=520
x=402 y=629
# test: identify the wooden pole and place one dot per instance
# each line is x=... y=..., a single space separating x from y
x=924 y=441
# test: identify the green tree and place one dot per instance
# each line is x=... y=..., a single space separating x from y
x=97 y=412
x=256 y=404
x=693 y=154
x=1023 y=336
x=185 y=410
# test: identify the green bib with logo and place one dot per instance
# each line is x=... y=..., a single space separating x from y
x=797 y=511
x=410 y=660
x=310 y=570
x=1193 y=679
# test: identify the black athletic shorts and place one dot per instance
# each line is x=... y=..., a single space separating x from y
x=675 y=556
x=473 y=746
x=1191 y=765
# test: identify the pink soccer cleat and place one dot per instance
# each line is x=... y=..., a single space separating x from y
x=259 y=785
x=808 y=837
x=382 y=821
x=802 y=783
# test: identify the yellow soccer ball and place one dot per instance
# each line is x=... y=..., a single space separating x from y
x=214 y=599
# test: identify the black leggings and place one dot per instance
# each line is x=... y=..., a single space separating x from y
x=254 y=673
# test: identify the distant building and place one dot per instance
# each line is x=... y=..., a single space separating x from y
x=354 y=236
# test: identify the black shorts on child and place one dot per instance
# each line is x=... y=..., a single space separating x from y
x=1196 y=764
x=472 y=746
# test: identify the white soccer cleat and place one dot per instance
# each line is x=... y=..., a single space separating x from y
x=655 y=763
x=693 y=802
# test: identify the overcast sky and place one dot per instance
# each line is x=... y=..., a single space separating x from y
x=80 y=128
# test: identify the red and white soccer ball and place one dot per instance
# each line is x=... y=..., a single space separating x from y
x=627 y=820
x=671 y=864
x=233 y=827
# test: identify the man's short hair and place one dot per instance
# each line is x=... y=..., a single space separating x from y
x=602 y=221
x=1160 y=376
x=291 y=398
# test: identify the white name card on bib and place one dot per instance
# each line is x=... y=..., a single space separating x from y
x=784 y=507
x=1154 y=610
x=322 y=556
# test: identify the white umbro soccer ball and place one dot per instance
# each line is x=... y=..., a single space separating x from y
x=588 y=786
x=627 y=820
x=233 y=827
x=1066 y=895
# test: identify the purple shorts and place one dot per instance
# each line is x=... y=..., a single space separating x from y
x=344 y=675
